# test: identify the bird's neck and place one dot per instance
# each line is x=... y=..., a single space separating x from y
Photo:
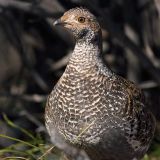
x=87 y=49
x=85 y=52
x=87 y=56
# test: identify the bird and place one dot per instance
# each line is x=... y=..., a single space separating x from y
x=92 y=107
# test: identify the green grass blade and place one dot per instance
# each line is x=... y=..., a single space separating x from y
x=18 y=140
x=10 y=123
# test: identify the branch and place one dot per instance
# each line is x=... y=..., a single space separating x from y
x=34 y=120
x=61 y=63
x=27 y=7
x=29 y=98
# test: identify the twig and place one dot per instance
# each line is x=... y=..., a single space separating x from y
x=34 y=120
x=27 y=7
x=46 y=153
x=151 y=55
x=148 y=85
x=38 y=79
x=61 y=63
x=30 y=98
x=22 y=158
x=157 y=4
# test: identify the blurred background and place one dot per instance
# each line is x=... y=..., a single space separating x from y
x=34 y=53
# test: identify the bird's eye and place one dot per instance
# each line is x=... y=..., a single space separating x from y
x=81 y=19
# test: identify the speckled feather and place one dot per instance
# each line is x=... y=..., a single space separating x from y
x=92 y=107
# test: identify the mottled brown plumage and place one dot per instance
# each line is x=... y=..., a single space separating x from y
x=92 y=107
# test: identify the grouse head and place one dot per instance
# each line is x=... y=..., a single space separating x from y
x=82 y=24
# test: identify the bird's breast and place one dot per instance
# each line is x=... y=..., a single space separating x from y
x=79 y=108
x=84 y=107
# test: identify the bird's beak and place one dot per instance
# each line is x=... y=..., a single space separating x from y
x=59 y=22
